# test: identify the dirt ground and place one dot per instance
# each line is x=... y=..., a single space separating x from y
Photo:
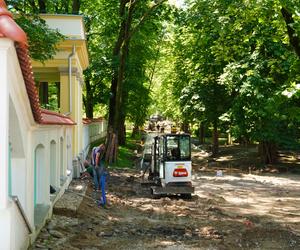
x=243 y=208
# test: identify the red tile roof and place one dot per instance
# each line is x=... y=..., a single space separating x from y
x=88 y=120
x=50 y=117
x=32 y=93
x=9 y=29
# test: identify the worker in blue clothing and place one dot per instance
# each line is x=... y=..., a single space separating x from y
x=100 y=171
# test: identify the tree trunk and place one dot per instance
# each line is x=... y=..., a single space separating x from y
x=89 y=108
x=66 y=6
x=201 y=133
x=111 y=146
x=268 y=152
x=76 y=7
x=120 y=54
x=122 y=113
x=116 y=56
x=119 y=93
x=112 y=101
x=215 y=148
x=135 y=131
x=42 y=6
x=121 y=50
x=122 y=131
x=122 y=135
x=185 y=127
x=33 y=6
x=289 y=21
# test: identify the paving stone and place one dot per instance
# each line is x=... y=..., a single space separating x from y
x=72 y=198
x=56 y=234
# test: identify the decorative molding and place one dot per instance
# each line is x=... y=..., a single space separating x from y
x=65 y=71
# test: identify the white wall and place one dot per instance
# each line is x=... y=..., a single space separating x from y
x=91 y=133
x=19 y=231
x=85 y=140
x=19 y=179
x=4 y=66
x=31 y=143
x=62 y=159
x=5 y=228
x=71 y=26
x=13 y=235
x=41 y=176
x=44 y=135
x=54 y=163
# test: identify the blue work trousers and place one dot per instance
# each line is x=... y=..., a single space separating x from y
x=100 y=180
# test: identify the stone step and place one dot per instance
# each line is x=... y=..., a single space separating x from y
x=70 y=201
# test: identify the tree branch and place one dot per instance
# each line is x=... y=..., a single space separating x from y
x=32 y=4
x=42 y=6
x=145 y=16
x=294 y=39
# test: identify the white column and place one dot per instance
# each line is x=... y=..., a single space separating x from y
x=5 y=45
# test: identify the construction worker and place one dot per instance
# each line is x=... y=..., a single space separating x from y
x=100 y=172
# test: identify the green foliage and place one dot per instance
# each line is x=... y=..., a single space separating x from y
x=146 y=27
x=207 y=62
x=163 y=100
x=237 y=68
x=141 y=65
x=126 y=154
x=42 y=39
x=101 y=25
x=53 y=92
x=45 y=6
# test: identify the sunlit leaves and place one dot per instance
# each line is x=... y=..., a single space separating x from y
x=238 y=52
x=42 y=39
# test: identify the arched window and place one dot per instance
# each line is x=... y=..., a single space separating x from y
x=41 y=183
x=61 y=158
x=53 y=164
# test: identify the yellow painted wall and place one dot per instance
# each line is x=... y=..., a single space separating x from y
x=64 y=93
x=76 y=112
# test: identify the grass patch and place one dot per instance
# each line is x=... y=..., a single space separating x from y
x=126 y=154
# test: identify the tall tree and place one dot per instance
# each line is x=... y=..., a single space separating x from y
x=42 y=6
x=42 y=39
x=250 y=49
x=76 y=6
x=292 y=32
x=127 y=28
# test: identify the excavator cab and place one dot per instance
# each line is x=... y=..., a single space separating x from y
x=171 y=166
